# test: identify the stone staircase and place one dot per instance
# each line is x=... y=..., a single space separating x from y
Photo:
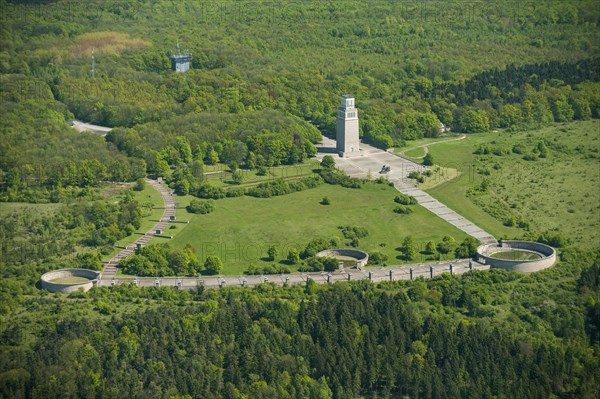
x=110 y=269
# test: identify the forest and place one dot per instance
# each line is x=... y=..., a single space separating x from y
x=481 y=334
x=262 y=98
x=264 y=85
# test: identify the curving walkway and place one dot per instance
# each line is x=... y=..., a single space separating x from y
x=109 y=272
x=426 y=147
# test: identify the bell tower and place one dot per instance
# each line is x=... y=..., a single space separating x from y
x=347 y=143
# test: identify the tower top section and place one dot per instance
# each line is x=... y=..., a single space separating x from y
x=347 y=101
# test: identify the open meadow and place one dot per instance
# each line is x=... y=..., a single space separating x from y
x=557 y=193
x=240 y=230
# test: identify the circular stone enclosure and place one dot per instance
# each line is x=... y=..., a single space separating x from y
x=520 y=256
x=69 y=280
x=355 y=256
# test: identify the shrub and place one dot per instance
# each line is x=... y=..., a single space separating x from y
x=207 y=191
x=328 y=162
x=213 y=265
x=351 y=232
x=139 y=184
x=261 y=171
x=467 y=248
x=428 y=160
x=325 y=201
x=446 y=245
x=293 y=256
x=403 y=210
x=336 y=176
x=236 y=192
x=201 y=207
x=405 y=199
x=377 y=258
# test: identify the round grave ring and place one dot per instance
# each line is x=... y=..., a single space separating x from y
x=514 y=254
x=360 y=257
x=69 y=280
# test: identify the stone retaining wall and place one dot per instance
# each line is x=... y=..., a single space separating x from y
x=547 y=253
x=92 y=275
x=362 y=258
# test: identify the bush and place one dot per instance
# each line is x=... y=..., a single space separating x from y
x=467 y=248
x=328 y=162
x=316 y=245
x=351 y=232
x=140 y=184
x=377 y=258
x=417 y=176
x=428 y=160
x=272 y=252
x=201 y=207
x=236 y=192
x=207 y=191
x=293 y=256
x=336 y=176
x=556 y=240
x=282 y=187
x=405 y=199
x=517 y=149
x=261 y=171
x=403 y=210
x=325 y=201
x=446 y=245
x=213 y=265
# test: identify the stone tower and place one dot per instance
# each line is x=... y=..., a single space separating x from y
x=347 y=128
x=180 y=62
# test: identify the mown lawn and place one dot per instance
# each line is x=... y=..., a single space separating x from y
x=240 y=230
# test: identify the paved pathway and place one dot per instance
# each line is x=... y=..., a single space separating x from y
x=369 y=163
x=426 y=146
x=110 y=269
x=391 y=273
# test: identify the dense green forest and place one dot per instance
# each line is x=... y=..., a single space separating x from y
x=264 y=84
x=263 y=69
x=482 y=334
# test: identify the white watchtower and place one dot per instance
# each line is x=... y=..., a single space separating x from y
x=347 y=128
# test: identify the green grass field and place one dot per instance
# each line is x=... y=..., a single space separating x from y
x=240 y=230
x=558 y=193
x=415 y=153
x=70 y=280
x=515 y=255
x=220 y=176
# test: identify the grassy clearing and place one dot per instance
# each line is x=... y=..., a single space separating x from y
x=558 y=193
x=515 y=255
x=240 y=230
x=415 y=153
x=220 y=175
x=111 y=43
x=7 y=208
x=70 y=280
